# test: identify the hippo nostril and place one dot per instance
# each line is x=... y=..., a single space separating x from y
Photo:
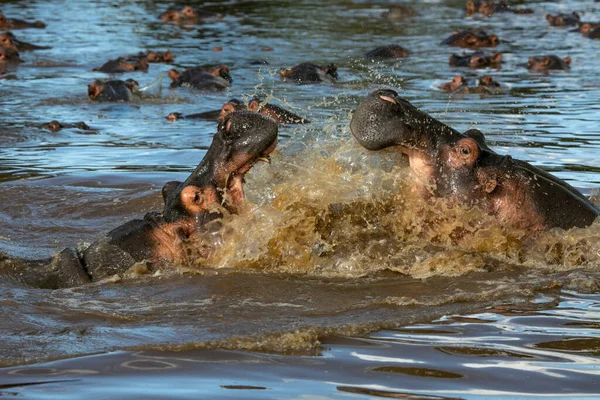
x=387 y=98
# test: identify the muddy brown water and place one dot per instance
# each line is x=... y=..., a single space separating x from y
x=334 y=281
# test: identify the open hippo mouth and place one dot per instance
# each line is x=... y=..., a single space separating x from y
x=234 y=186
x=243 y=138
x=461 y=167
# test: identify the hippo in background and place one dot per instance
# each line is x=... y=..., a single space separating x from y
x=388 y=52
x=113 y=90
x=186 y=15
x=477 y=59
x=489 y=8
x=9 y=56
x=572 y=19
x=483 y=85
x=276 y=113
x=243 y=138
x=204 y=78
x=471 y=39
x=549 y=62
x=9 y=41
x=123 y=64
x=309 y=73
x=13 y=23
x=461 y=167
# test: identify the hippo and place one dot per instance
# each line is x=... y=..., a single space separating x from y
x=113 y=90
x=488 y=8
x=9 y=56
x=121 y=64
x=484 y=85
x=462 y=168
x=185 y=15
x=151 y=56
x=387 y=52
x=55 y=126
x=399 y=12
x=309 y=73
x=594 y=33
x=585 y=28
x=13 y=23
x=216 y=185
x=471 y=39
x=477 y=59
x=550 y=62
x=572 y=19
x=9 y=41
x=205 y=78
x=276 y=113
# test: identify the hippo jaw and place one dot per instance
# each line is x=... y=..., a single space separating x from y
x=384 y=120
x=243 y=138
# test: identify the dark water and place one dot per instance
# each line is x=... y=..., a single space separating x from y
x=327 y=283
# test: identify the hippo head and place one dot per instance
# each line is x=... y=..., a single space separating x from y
x=461 y=167
x=243 y=138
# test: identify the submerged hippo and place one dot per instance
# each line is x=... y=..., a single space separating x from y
x=389 y=52
x=459 y=84
x=572 y=19
x=9 y=56
x=276 y=113
x=488 y=8
x=477 y=59
x=243 y=138
x=186 y=15
x=309 y=73
x=9 y=41
x=13 y=23
x=471 y=39
x=55 y=126
x=461 y=167
x=151 y=56
x=113 y=90
x=550 y=62
x=206 y=78
x=123 y=64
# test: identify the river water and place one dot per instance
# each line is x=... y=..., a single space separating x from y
x=333 y=281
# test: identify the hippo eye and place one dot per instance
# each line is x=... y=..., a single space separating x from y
x=465 y=151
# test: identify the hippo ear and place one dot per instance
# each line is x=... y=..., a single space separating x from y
x=567 y=60
x=254 y=105
x=195 y=199
x=168 y=190
x=95 y=88
x=550 y=18
x=173 y=74
x=464 y=153
x=496 y=58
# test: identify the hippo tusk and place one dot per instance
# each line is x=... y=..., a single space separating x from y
x=264 y=159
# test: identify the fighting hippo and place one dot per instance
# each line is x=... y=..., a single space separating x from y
x=488 y=8
x=13 y=23
x=461 y=167
x=459 y=84
x=243 y=138
x=477 y=59
x=471 y=39
x=123 y=64
x=389 y=52
x=113 y=90
x=9 y=41
x=205 y=78
x=276 y=113
x=550 y=62
x=309 y=73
